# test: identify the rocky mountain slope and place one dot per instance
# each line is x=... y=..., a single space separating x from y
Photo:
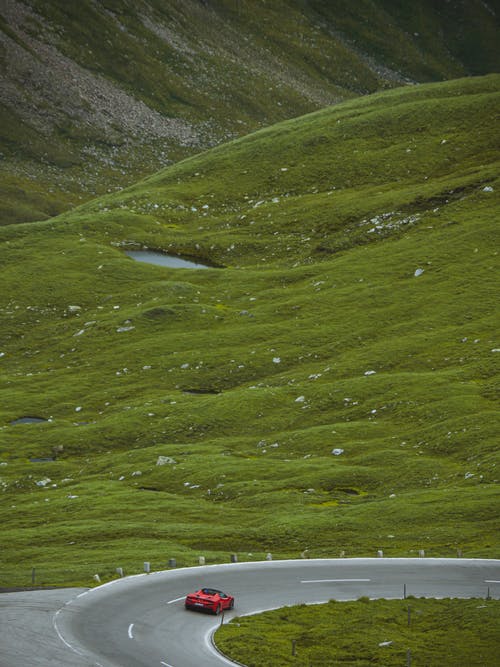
x=97 y=94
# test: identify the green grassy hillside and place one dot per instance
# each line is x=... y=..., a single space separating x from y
x=330 y=387
x=98 y=94
x=383 y=633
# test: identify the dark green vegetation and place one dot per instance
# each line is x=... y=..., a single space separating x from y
x=331 y=388
x=98 y=94
x=436 y=633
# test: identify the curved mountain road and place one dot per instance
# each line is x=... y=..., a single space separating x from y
x=140 y=621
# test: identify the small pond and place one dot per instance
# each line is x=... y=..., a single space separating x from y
x=28 y=420
x=162 y=259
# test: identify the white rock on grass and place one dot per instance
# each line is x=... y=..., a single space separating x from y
x=337 y=451
x=418 y=272
x=164 y=460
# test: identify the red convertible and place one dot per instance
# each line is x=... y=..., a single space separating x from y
x=209 y=599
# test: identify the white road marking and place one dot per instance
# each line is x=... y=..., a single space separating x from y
x=491 y=581
x=54 y=623
x=176 y=600
x=165 y=663
x=130 y=635
x=332 y=581
x=209 y=643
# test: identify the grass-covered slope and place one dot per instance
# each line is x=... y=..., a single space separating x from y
x=330 y=388
x=98 y=94
x=384 y=633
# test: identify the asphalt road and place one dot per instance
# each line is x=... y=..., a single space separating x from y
x=140 y=621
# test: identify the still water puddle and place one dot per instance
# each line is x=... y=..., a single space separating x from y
x=28 y=420
x=162 y=259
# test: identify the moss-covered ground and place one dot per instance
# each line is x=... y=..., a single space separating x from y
x=329 y=386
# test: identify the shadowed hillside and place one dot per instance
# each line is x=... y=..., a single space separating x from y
x=98 y=94
x=331 y=387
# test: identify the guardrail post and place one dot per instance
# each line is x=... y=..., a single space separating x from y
x=234 y=558
x=201 y=560
x=147 y=567
x=119 y=571
x=172 y=562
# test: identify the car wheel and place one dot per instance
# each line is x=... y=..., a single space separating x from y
x=231 y=604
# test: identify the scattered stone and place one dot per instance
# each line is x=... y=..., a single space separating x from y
x=337 y=451
x=388 y=643
x=370 y=372
x=418 y=272
x=300 y=399
x=124 y=329
x=164 y=460
x=136 y=473
x=276 y=360
x=44 y=482
x=488 y=188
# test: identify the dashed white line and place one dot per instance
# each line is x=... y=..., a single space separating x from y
x=491 y=581
x=176 y=600
x=130 y=635
x=333 y=581
x=165 y=664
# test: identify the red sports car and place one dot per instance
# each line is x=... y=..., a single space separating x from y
x=209 y=599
